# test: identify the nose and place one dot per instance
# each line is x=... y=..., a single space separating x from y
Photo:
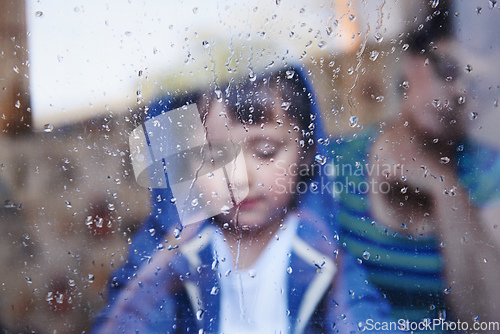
x=253 y=165
x=236 y=174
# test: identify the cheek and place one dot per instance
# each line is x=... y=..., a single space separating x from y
x=284 y=180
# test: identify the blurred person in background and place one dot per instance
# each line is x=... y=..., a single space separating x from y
x=426 y=228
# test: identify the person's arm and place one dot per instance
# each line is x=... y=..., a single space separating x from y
x=472 y=258
x=469 y=248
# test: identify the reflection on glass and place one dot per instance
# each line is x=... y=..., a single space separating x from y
x=206 y=177
x=78 y=78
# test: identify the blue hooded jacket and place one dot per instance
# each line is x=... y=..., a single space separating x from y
x=327 y=291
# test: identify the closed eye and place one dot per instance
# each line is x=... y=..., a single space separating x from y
x=266 y=153
x=264 y=149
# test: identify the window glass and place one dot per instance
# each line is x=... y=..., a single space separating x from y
x=258 y=166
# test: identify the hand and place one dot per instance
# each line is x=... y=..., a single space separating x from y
x=423 y=192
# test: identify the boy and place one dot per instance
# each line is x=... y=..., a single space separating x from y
x=268 y=263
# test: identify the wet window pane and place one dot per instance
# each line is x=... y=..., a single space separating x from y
x=284 y=166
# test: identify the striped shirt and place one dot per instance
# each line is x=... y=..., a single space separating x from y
x=407 y=270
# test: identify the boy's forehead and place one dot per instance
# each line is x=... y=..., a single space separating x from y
x=220 y=126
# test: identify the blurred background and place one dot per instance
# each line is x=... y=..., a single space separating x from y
x=75 y=76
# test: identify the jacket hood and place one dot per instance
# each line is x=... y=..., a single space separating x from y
x=315 y=197
x=314 y=193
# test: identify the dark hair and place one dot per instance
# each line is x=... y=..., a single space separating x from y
x=252 y=101
x=436 y=26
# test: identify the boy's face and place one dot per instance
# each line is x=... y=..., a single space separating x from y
x=272 y=155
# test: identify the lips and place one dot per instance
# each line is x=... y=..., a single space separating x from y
x=248 y=204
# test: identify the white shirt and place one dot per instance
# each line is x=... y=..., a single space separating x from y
x=254 y=300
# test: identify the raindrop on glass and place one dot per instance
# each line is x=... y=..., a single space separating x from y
x=361 y=326
x=444 y=160
x=199 y=314
x=442 y=313
x=48 y=128
x=252 y=76
x=353 y=121
x=285 y=105
x=321 y=159
x=374 y=55
x=218 y=93
x=177 y=233
x=90 y=278
x=215 y=265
